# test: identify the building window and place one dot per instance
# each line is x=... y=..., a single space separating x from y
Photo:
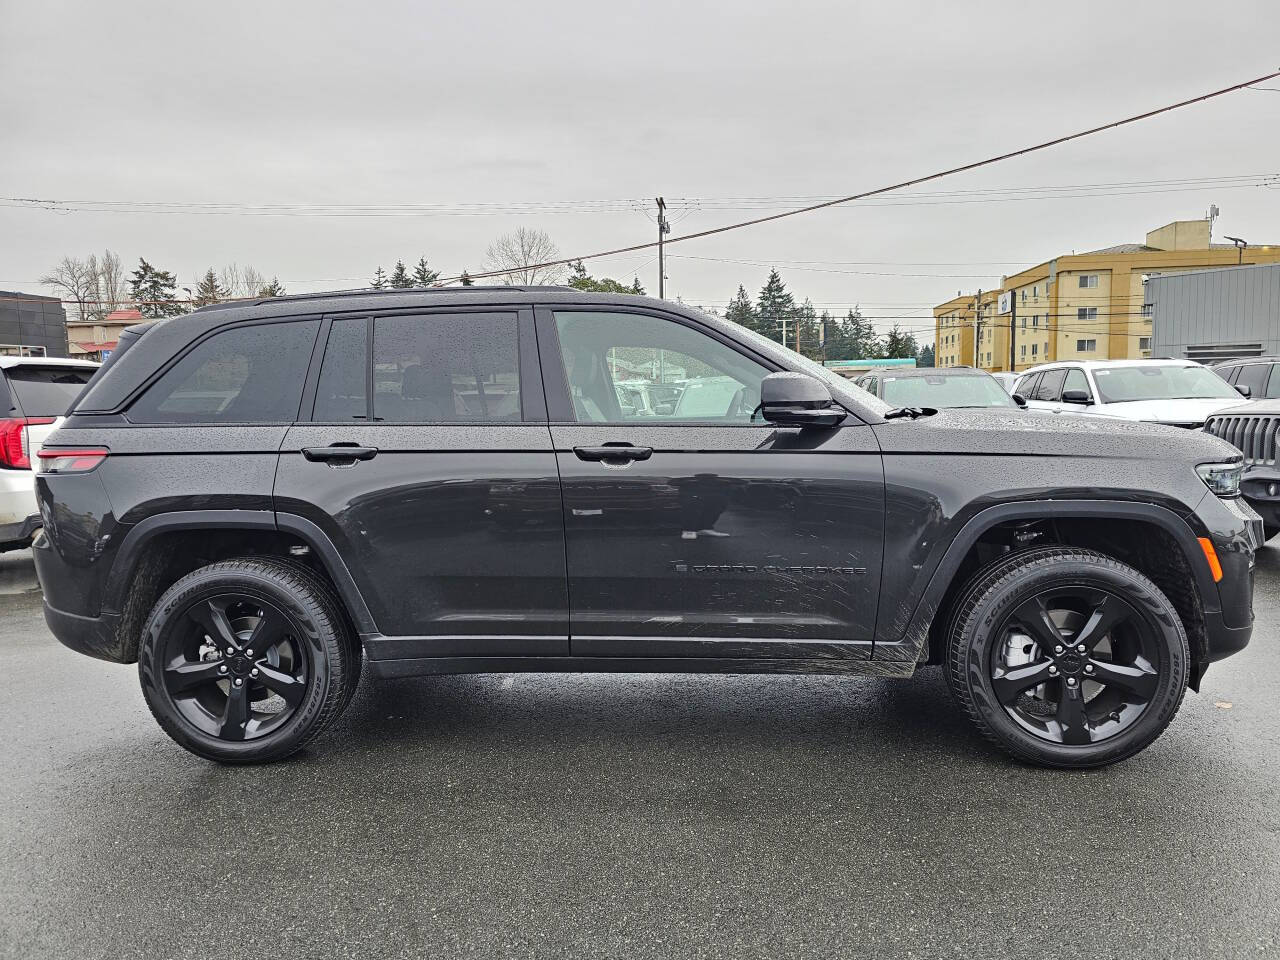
x=1086 y=346
x=1035 y=321
x=1024 y=295
x=1035 y=292
x=1024 y=323
x=1144 y=343
x=1087 y=313
x=1088 y=280
x=1033 y=348
x=1023 y=352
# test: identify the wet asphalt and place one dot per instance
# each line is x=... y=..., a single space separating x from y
x=625 y=816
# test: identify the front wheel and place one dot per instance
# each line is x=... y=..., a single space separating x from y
x=244 y=661
x=1066 y=657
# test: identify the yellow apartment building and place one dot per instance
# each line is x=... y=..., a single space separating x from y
x=1087 y=306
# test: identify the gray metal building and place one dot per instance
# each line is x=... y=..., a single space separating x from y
x=32 y=325
x=1215 y=314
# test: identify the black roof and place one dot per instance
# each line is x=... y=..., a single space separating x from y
x=932 y=372
x=1237 y=360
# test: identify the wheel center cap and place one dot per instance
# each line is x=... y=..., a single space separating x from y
x=1070 y=663
x=240 y=665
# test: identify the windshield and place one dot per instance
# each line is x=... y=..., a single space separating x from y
x=1123 y=384
x=47 y=391
x=939 y=390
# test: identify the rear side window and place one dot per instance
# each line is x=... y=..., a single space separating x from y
x=1050 y=386
x=1254 y=376
x=46 y=391
x=1273 y=383
x=1026 y=386
x=446 y=368
x=250 y=374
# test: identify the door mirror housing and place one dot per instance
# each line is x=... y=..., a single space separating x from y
x=1019 y=399
x=1077 y=396
x=1244 y=390
x=798 y=400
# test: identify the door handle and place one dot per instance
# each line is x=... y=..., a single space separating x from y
x=615 y=453
x=339 y=453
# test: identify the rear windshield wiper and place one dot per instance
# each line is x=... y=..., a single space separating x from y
x=913 y=412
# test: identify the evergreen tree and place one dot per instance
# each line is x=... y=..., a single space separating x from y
x=579 y=279
x=900 y=344
x=379 y=279
x=860 y=337
x=925 y=357
x=273 y=289
x=208 y=290
x=399 y=278
x=807 y=334
x=466 y=280
x=773 y=306
x=153 y=291
x=424 y=276
x=741 y=310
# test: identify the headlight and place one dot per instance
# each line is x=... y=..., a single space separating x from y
x=1222 y=478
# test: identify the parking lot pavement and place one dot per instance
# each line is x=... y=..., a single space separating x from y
x=624 y=816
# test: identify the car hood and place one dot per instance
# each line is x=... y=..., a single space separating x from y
x=987 y=431
x=1186 y=410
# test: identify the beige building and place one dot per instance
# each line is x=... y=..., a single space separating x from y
x=1085 y=306
x=95 y=339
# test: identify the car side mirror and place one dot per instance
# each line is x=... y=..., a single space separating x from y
x=798 y=400
x=1243 y=389
x=1019 y=399
x=1077 y=396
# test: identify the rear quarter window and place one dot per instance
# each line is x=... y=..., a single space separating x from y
x=250 y=374
x=45 y=391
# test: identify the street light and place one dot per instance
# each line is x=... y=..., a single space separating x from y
x=1240 y=246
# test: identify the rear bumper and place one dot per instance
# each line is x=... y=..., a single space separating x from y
x=19 y=515
x=19 y=534
x=93 y=636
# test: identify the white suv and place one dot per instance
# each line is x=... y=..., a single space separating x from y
x=1180 y=393
x=34 y=393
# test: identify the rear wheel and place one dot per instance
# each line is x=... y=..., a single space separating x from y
x=246 y=660
x=1067 y=657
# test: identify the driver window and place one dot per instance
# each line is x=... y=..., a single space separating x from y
x=633 y=368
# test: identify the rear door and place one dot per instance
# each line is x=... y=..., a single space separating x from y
x=425 y=458
x=692 y=528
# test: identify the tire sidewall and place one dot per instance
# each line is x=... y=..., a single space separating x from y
x=167 y=616
x=994 y=606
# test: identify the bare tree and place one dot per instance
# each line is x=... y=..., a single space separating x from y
x=518 y=254
x=110 y=283
x=75 y=280
x=241 y=282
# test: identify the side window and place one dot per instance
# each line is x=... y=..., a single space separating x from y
x=1229 y=374
x=248 y=374
x=632 y=368
x=341 y=389
x=446 y=368
x=1273 y=383
x=1050 y=387
x=1076 y=380
x=1027 y=386
x=1254 y=376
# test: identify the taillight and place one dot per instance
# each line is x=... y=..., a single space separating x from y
x=79 y=460
x=14 y=453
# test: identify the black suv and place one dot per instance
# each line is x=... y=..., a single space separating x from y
x=255 y=500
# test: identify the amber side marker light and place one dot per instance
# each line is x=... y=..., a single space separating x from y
x=54 y=460
x=1210 y=556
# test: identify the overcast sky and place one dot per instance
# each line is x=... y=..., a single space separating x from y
x=315 y=102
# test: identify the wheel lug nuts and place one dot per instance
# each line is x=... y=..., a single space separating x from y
x=1058 y=648
x=253 y=672
x=238 y=681
x=1053 y=670
x=231 y=652
x=223 y=668
x=1088 y=668
x=249 y=653
x=1071 y=681
x=1080 y=648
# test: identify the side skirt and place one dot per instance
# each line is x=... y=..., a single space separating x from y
x=426 y=666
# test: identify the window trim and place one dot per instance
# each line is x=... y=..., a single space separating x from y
x=559 y=402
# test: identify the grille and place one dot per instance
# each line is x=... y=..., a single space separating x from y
x=1255 y=437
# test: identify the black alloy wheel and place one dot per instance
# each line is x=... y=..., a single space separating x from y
x=1066 y=657
x=246 y=660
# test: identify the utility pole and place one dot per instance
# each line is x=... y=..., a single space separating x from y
x=663 y=229
x=1013 y=325
x=977 y=329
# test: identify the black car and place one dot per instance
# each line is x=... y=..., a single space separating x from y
x=1252 y=429
x=256 y=500
x=938 y=388
x=1255 y=377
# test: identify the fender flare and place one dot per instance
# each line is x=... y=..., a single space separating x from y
x=133 y=547
x=909 y=645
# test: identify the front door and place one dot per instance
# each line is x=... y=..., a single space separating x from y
x=428 y=463
x=692 y=528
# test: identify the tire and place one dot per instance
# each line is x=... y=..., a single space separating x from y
x=1064 y=708
x=306 y=664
